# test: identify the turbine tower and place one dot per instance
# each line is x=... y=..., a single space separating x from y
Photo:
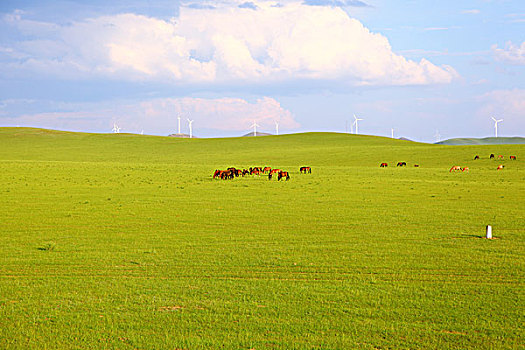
x=254 y=126
x=191 y=130
x=276 y=127
x=392 y=132
x=496 y=125
x=355 y=122
x=179 y=123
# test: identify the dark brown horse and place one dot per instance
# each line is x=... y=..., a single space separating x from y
x=283 y=174
x=305 y=169
x=512 y=157
x=383 y=165
x=476 y=157
x=402 y=164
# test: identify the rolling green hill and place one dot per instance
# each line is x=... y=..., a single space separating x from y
x=126 y=241
x=484 y=141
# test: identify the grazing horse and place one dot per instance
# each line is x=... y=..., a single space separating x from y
x=217 y=173
x=476 y=157
x=416 y=165
x=383 y=165
x=227 y=175
x=402 y=164
x=512 y=157
x=267 y=169
x=305 y=169
x=274 y=171
x=245 y=172
x=500 y=157
x=500 y=167
x=455 y=168
x=283 y=174
x=492 y=156
x=465 y=169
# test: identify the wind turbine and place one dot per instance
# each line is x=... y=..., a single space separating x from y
x=276 y=127
x=437 y=136
x=115 y=129
x=191 y=130
x=254 y=126
x=179 y=124
x=496 y=125
x=355 y=122
x=392 y=132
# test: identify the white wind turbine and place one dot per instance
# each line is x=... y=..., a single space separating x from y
x=392 y=132
x=276 y=127
x=355 y=122
x=191 y=130
x=254 y=126
x=496 y=125
x=115 y=129
x=437 y=136
x=179 y=124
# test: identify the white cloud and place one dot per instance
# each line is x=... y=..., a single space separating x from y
x=227 y=44
x=159 y=115
x=513 y=54
x=471 y=12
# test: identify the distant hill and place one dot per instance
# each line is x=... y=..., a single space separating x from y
x=258 y=134
x=405 y=139
x=484 y=141
x=183 y=136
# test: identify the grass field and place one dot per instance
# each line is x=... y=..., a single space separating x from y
x=126 y=242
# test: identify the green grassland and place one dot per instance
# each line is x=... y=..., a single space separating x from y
x=126 y=242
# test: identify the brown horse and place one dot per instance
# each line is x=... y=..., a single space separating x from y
x=283 y=174
x=476 y=157
x=267 y=169
x=305 y=169
x=500 y=167
x=402 y=164
x=512 y=157
x=455 y=168
x=383 y=165
x=465 y=169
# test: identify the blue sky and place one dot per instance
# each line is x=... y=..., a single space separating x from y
x=421 y=67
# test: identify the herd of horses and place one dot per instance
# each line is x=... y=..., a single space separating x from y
x=455 y=167
x=492 y=156
x=232 y=172
x=384 y=165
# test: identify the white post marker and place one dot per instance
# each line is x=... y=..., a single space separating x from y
x=489 y=232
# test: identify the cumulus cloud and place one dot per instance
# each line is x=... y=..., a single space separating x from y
x=156 y=115
x=253 y=42
x=513 y=54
